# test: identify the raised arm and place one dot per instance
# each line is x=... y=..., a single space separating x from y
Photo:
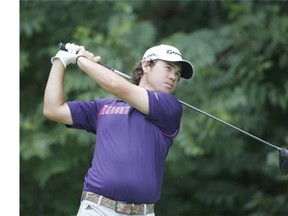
x=115 y=84
x=55 y=107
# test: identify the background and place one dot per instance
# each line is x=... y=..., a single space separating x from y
x=239 y=51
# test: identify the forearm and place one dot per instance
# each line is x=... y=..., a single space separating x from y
x=134 y=95
x=104 y=77
x=54 y=91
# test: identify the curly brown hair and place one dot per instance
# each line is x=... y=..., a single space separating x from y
x=137 y=71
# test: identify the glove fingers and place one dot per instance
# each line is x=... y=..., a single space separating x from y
x=72 y=48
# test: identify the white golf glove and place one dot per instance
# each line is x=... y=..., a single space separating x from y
x=69 y=56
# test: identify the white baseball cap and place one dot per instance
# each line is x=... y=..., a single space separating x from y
x=170 y=54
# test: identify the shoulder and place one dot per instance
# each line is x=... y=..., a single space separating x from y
x=163 y=97
x=165 y=103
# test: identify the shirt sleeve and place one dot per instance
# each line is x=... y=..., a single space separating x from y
x=84 y=115
x=165 y=111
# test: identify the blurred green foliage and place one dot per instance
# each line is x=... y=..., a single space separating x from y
x=239 y=51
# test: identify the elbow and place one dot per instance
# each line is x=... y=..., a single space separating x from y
x=49 y=114
x=58 y=114
x=46 y=113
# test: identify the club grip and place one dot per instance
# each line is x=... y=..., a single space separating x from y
x=61 y=46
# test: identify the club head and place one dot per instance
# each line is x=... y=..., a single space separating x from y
x=283 y=160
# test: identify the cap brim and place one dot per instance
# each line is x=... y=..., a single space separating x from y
x=187 y=69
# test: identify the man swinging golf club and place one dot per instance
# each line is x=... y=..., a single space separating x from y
x=134 y=130
x=283 y=153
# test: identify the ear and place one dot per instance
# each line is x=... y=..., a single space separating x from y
x=145 y=66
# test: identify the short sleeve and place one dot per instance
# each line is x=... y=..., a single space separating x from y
x=84 y=115
x=165 y=111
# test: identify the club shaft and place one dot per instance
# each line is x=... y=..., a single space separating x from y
x=228 y=124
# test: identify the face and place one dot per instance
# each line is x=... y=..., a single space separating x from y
x=162 y=76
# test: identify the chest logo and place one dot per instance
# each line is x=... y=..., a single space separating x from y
x=114 y=110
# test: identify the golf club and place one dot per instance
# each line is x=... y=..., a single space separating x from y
x=283 y=153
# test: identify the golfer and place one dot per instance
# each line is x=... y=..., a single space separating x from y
x=134 y=129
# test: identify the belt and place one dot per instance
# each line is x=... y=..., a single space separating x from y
x=118 y=206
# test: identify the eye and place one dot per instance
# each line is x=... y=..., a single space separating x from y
x=168 y=67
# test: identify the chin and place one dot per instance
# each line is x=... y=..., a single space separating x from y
x=168 y=91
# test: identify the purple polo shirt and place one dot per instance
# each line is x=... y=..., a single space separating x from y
x=131 y=147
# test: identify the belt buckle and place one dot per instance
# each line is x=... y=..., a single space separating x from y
x=122 y=207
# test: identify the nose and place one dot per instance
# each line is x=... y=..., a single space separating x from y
x=172 y=75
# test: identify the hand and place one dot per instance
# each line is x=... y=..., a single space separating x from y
x=88 y=55
x=69 y=56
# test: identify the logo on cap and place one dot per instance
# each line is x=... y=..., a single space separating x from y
x=173 y=52
x=151 y=55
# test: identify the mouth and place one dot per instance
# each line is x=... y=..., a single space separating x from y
x=169 y=84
